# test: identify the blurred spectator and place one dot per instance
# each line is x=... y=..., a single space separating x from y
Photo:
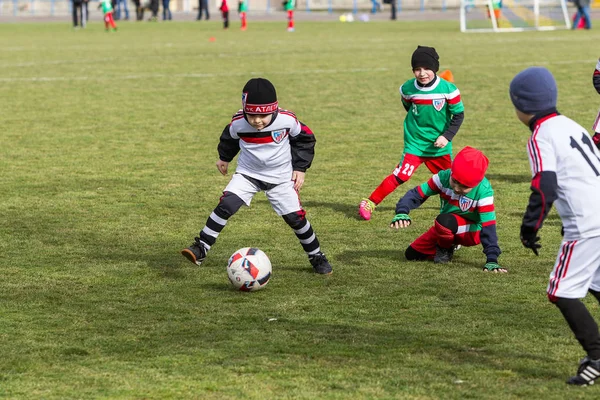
x=166 y=11
x=202 y=7
x=139 y=10
x=86 y=9
x=154 y=9
x=225 y=14
x=79 y=14
x=375 y=6
x=122 y=4
x=392 y=4
x=583 y=11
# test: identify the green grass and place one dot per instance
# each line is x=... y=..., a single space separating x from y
x=107 y=153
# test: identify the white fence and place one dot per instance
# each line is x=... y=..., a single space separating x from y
x=63 y=7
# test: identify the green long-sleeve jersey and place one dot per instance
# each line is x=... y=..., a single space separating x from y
x=430 y=111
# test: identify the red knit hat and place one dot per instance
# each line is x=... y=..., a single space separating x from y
x=469 y=166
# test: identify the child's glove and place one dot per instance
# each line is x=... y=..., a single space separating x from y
x=398 y=219
x=493 y=267
x=596 y=139
x=530 y=239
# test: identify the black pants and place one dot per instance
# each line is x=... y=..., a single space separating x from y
x=79 y=14
x=203 y=6
x=139 y=10
x=225 y=19
x=154 y=8
x=393 y=7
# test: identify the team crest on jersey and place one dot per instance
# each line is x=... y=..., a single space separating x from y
x=279 y=135
x=438 y=104
x=465 y=203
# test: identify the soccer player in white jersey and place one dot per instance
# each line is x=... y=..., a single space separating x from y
x=275 y=150
x=565 y=166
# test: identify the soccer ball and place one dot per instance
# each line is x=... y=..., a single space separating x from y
x=249 y=269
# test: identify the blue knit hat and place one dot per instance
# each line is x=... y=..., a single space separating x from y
x=533 y=90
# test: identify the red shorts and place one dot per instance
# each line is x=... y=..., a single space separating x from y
x=425 y=243
x=409 y=164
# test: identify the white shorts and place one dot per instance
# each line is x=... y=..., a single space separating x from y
x=283 y=197
x=577 y=269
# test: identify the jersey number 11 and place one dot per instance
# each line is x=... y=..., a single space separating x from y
x=588 y=142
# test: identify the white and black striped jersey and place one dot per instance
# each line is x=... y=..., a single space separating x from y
x=270 y=154
x=565 y=165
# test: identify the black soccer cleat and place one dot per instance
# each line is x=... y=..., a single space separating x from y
x=587 y=373
x=196 y=253
x=443 y=255
x=320 y=264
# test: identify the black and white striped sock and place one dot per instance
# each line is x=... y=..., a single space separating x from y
x=308 y=239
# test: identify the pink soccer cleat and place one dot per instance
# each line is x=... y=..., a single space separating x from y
x=366 y=208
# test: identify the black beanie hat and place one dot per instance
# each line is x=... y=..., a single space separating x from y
x=259 y=97
x=425 y=57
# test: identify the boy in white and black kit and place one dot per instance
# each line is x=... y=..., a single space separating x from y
x=565 y=166
x=275 y=152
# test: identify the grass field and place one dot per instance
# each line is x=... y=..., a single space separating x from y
x=107 y=153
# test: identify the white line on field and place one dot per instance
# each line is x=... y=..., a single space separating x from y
x=191 y=75
x=295 y=72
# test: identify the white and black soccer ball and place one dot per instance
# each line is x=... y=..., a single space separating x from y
x=249 y=269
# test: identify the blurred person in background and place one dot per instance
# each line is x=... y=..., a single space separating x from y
x=203 y=7
x=154 y=9
x=166 y=11
x=79 y=14
x=289 y=5
x=583 y=11
x=225 y=14
x=122 y=4
x=243 y=9
x=107 y=10
x=392 y=4
x=375 y=6
x=139 y=10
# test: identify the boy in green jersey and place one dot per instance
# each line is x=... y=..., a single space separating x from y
x=435 y=112
x=243 y=9
x=107 y=9
x=467 y=215
x=288 y=5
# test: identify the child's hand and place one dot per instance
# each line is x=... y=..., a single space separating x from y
x=493 y=267
x=400 y=221
x=298 y=178
x=222 y=167
x=440 y=142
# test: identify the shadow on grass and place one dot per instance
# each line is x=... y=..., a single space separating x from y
x=367 y=257
x=553 y=219
x=523 y=178
x=351 y=210
x=383 y=348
